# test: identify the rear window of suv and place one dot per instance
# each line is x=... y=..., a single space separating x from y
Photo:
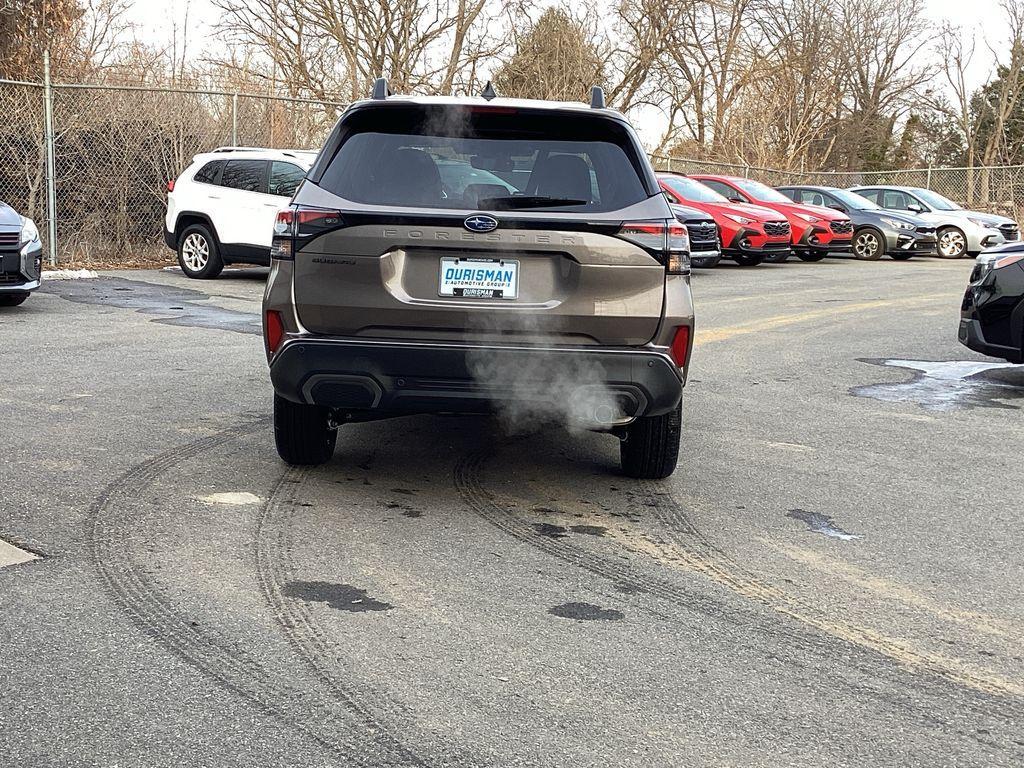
x=485 y=159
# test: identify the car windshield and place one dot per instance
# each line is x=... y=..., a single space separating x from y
x=936 y=201
x=498 y=160
x=761 y=191
x=688 y=189
x=854 y=201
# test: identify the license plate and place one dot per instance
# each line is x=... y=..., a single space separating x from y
x=479 y=278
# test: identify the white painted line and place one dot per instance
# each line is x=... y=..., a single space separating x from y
x=11 y=555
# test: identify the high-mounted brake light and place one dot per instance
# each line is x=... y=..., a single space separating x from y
x=170 y=185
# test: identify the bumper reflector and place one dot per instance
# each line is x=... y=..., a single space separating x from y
x=273 y=330
x=680 y=348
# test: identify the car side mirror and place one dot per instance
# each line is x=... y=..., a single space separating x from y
x=735 y=199
x=915 y=208
x=838 y=207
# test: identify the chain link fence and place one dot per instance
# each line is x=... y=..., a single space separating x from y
x=115 y=148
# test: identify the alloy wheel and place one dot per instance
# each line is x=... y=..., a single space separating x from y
x=195 y=252
x=866 y=246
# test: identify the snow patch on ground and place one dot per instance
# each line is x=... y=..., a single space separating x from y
x=68 y=274
x=237 y=498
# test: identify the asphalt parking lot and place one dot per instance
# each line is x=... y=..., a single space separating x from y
x=832 y=577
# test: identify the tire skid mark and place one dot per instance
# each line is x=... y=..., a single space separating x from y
x=306 y=637
x=140 y=598
x=487 y=506
x=984 y=694
x=699 y=554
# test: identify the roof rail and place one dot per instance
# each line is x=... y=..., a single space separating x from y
x=240 y=149
x=488 y=92
x=380 y=89
x=597 y=97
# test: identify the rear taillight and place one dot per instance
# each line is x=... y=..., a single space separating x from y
x=680 y=349
x=170 y=185
x=666 y=239
x=273 y=330
x=299 y=223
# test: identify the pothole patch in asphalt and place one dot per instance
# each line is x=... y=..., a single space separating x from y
x=819 y=523
x=341 y=597
x=586 y=612
x=13 y=555
x=171 y=304
x=949 y=385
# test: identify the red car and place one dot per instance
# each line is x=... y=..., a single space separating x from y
x=750 y=233
x=817 y=231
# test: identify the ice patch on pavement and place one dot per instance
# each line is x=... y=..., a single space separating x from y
x=951 y=385
x=819 y=523
x=12 y=555
x=236 y=498
x=69 y=274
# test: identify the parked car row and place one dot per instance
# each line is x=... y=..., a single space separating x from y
x=760 y=224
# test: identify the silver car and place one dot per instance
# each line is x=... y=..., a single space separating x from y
x=21 y=257
x=960 y=231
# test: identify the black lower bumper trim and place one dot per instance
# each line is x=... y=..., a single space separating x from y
x=376 y=379
x=970 y=335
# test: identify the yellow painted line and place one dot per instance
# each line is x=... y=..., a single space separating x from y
x=780 y=321
x=890 y=590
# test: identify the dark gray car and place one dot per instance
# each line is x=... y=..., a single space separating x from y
x=553 y=287
x=21 y=257
x=876 y=231
x=705 y=241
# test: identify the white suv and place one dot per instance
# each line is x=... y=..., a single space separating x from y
x=222 y=208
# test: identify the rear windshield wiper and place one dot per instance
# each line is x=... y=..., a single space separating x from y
x=527 y=201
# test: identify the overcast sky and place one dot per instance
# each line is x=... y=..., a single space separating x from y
x=154 y=23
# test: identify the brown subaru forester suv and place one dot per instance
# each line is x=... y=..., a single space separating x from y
x=480 y=255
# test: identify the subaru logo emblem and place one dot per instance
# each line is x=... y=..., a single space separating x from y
x=480 y=223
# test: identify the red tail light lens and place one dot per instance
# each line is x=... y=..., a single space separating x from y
x=298 y=222
x=273 y=330
x=170 y=185
x=667 y=239
x=680 y=349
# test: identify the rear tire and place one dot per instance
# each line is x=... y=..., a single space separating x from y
x=810 y=256
x=746 y=260
x=868 y=244
x=198 y=253
x=303 y=433
x=12 y=299
x=651 y=448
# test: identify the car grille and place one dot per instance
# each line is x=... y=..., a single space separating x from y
x=841 y=227
x=703 y=236
x=926 y=230
x=10 y=239
x=11 y=278
x=1010 y=231
x=775 y=228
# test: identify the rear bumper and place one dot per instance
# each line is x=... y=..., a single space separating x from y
x=169 y=239
x=374 y=379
